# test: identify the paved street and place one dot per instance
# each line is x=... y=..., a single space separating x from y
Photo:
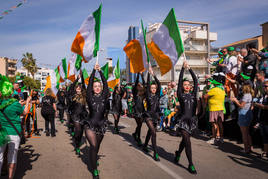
x=49 y=158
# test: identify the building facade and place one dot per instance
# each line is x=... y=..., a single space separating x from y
x=133 y=33
x=40 y=75
x=8 y=66
x=197 y=44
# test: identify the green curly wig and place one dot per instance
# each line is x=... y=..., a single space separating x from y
x=6 y=87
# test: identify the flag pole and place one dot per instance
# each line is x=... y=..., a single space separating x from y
x=97 y=61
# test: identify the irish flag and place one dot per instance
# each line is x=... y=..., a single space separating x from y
x=115 y=78
x=137 y=52
x=74 y=65
x=86 y=42
x=166 y=45
x=61 y=72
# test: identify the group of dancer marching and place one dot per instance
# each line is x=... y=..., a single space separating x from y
x=146 y=97
x=186 y=120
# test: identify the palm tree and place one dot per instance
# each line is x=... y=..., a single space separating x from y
x=29 y=63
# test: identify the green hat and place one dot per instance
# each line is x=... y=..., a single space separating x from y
x=111 y=90
x=6 y=87
x=220 y=53
x=230 y=49
x=245 y=76
x=215 y=82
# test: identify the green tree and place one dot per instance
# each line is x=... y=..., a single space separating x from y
x=28 y=82
x=31 y=83
x=29 y=63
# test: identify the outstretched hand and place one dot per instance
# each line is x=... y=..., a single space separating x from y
x=97 y=67
x=185 y=65
x=151 y=70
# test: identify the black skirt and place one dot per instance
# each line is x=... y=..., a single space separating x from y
x=98 y=129
x=188 y=124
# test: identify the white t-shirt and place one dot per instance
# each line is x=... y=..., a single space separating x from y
x=232 y=65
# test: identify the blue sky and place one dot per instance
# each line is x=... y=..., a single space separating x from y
x=47 y=28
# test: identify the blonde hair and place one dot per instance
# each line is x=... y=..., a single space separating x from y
x=248 y=89
x=49 y=92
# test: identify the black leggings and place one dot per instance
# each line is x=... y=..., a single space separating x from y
x=94 y=141
x=186 y=143
x=78 y=133
x=116 y=120
x=138 y=128
x=151 y=133
x=50 y=118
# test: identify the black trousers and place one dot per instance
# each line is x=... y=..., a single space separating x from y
x=50 y=118
x=28 y=124
x=61 y=113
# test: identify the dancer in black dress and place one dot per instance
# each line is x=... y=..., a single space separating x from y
x=78 y=110
x=186 y=119
x=118 y=94
x=152 y=95
x=138 y=97
x=96 y=124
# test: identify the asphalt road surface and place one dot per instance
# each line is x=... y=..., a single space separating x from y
x=120 y=158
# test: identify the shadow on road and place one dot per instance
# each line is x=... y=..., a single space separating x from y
x=26 y=157
x=249 y=160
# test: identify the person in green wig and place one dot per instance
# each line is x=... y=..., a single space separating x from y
x=10 y=108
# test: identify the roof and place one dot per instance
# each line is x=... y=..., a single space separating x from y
x=242 y=41
x=264 y=23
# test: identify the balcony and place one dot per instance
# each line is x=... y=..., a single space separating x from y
x=10 y=68
x=199 y=49
x=12 y=61
x=202 y=35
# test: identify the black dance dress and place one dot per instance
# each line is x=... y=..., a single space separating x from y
x=97 y=105
x=138 y=100
x=117 y=101
x=152 y=100
x=77 y=107
x=186 y=117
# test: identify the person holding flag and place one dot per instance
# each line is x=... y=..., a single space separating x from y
x=77 y=94
x=118 y=94
x=152 y=96
x=138 y=92
x=186 y=119
x=96 y=124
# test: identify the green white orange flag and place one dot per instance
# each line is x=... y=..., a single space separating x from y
x=74 y=65
x=167 y=45
x=105 y=70
x=86 y=76
x=86 y=42
x=137 y=53
x=115 y=78
x=63 y=68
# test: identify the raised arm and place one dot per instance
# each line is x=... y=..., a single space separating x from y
x=143 y=81
x=83 y=81
x=148 y=87
x=72 y=90
x=105 y=91
x=195 y=81
x=158 y=85
x=90 y=84
x=180 y=83
x=134 y=90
